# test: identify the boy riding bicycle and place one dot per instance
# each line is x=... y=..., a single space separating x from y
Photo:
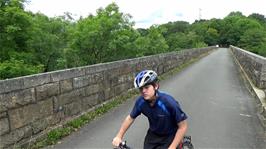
x=167 y=121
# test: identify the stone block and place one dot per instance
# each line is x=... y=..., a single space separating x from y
x=96 y=68
x=160 y=69
x=263 y=84
x=139 y=67
x=90 y=101
x=87 y=80
x=73 y=108
x=101 y=96
x=56 y=118
x=114 y=81
x=120 y=88
x=109 y=93
x=16 y=99
x=113 y=65
x=11 y=85
x=22 y=116
x=263 y=77
x=92 y=89
x=126 y=78
x=263 y=112
x=42 y=124
x=39 y=125
x=127 y=69
x=122 y=69
x=111 y=73
x=36 y=80
x=69 y=97
x=66 y=85
x=15 y=136
x=4 y=126
x=81 y=81
x=47 y=90
x=67 y=74
x=96 y=78
x=2 y=107
x=123 y=78
x=3 y=114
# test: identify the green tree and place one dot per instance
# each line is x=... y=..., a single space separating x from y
x=254 y=40
x=175 y=27
x=122 y=44
x=158 y=43
x=93 y=35
x=258 y=17
x=143 y=32
x=49 y=37
x=16 y=68
x=235 y=26
x=152 y=43
x=201 y=28
x=181 y=41
x=212 y=36
x=142 y=44
x=15 y=28
x=15 y=25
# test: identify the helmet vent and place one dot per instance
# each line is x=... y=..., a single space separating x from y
x=147 y=78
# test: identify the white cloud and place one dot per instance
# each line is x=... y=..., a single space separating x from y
x=148 y=12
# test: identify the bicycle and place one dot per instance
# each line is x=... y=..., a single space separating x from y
x=185 y=144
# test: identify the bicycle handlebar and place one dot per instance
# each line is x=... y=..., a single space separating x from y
x=122 y=145
x=186 y=143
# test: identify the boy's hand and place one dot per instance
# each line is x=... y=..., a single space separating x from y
x=116 y=141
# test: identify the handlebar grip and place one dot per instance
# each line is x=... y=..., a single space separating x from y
x=122 y=145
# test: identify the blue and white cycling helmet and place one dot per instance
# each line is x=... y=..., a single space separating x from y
x=145 y=77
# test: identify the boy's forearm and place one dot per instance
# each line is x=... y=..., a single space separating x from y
x=179 y=134
x=125 y=125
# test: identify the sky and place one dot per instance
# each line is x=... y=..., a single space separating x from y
x=150 y=12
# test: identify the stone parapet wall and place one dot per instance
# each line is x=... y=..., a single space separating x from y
x=254 y=65
x=31 y=104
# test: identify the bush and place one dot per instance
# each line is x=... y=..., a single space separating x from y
x=15 y=68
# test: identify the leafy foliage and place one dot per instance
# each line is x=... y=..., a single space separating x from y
x=32 y=43
x=95 y=37
x=15 y=68
x=15 y=25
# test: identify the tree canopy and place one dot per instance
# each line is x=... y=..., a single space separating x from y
x=33 y=42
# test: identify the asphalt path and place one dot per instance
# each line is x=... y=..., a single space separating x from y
x=221 y=112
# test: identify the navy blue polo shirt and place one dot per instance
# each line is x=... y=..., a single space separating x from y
x=163 y=116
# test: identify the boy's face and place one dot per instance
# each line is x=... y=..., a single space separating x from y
x=148 y=91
